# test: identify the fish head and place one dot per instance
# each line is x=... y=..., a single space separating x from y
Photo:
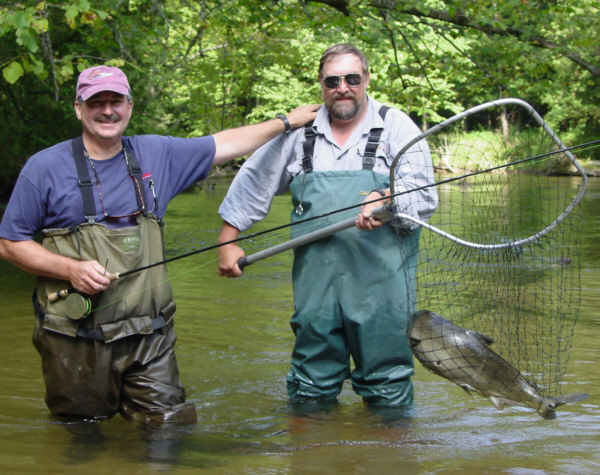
x=547 y=409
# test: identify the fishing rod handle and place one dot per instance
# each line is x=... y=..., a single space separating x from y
x=243 y=262
x=59 y=294
x=63 y=293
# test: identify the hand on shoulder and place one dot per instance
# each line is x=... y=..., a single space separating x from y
x=302 y=115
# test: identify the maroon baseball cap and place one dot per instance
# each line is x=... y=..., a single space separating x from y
x=101 y=78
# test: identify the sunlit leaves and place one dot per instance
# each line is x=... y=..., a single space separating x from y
x=13 y=72
x=197 y=67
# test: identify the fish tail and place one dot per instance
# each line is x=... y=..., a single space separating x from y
x=573 y=398
x=548 y=405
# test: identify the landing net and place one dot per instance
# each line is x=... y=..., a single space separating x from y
x=514 y=271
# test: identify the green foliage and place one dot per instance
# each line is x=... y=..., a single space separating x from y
x=459 y=151
x=198 y=67
x=13 y=72
x=477 y=150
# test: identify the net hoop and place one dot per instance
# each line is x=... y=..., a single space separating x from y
x=492 y=246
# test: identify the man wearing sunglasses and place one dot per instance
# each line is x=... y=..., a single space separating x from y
x=98 y=201
x=354 y=290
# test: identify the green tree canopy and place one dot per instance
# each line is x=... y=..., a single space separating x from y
x=199 y=66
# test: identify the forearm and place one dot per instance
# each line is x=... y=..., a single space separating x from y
x=228 y=233
x=229 y=254
x=413 y=169
x=35 y=259
x=420 y=203
x=241 y=141
x=264 y=175
x=85 y=276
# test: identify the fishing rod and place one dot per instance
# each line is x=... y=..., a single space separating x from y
x=386 y=215
x=381 y=213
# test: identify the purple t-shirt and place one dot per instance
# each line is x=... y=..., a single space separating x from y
x=47 y=194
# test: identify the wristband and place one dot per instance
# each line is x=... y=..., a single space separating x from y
x=285 y=121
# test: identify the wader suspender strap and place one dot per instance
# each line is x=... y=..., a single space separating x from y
x=308 y=147
x=369 y=154
x=373 y=142
x=85 y=184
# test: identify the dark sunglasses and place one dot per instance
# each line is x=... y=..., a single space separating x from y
x=332 y=82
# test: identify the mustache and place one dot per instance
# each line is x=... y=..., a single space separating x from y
x=338 y=95
x=108 y=117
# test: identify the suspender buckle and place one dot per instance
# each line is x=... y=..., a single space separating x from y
x=368 y=162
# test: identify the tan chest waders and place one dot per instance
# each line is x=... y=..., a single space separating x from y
x=118 y=354
x=140 y=303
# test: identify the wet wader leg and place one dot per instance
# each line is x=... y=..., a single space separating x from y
x=79 y=380
x=152 y=392
x=376 y=318
x=320 y=360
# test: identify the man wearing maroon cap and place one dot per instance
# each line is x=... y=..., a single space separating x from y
x=107 y=343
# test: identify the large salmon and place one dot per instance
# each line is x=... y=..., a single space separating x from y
x=465 y=358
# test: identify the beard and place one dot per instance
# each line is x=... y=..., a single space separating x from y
x=344 y=110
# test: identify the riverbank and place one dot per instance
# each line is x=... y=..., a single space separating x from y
x=592 y=168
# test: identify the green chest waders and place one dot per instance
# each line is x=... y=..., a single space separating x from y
x=353 y=294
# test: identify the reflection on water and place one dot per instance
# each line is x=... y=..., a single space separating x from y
x=233 y=350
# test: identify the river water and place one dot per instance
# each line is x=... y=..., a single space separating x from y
x=233 y=351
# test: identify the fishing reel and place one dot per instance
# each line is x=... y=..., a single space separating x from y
x=71 y=304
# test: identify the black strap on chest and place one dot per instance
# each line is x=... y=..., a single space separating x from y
x=135 y=172
x=84 y=181
x=86 y=185
x=308 y=147
x=373 y=142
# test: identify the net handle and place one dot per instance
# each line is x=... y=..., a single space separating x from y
x=462 y=115
x=380 y=213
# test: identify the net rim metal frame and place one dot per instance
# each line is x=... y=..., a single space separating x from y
x=473 y=110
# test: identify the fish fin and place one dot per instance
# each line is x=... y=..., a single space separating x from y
x=413 y=341
x=497 y=402
x=567 y=399
x=486 y=339
x=468 y=389
x=501 y=402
